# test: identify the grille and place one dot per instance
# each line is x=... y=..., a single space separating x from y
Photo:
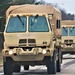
x=65 y=41
x=71 y=41
x=23 y=41
x=68 y=41
x=31 y=41
x=27 y=42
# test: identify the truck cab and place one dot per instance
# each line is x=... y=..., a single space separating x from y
x=68 y=37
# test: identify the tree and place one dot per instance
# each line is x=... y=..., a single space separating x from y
x=66 y=16
x=23 y=1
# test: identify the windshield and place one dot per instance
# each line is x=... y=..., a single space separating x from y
x=16 y=24
x=64 y=31
x=38 y=24
x=72 y=31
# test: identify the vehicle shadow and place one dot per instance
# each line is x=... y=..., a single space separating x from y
x=37 y=71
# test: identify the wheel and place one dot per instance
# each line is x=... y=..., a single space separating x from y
x=16 y=68
x=59 y=61
x=26 y=67
x=8 y=66
x=51 y=64
x=61 y=57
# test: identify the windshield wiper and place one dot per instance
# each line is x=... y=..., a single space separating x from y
x=22 y=22
x=72 y=29
x=65 y=29
x=32 y=22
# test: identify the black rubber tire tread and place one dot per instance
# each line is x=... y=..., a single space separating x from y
x=61 y=57
x=26 y=67
x=59 y=61
x=51 y=64
x=16 y=68
x=8 y=66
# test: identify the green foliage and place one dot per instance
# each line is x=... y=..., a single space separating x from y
x=4 y=4
x=66 y=16
x=4 y=1
x=24 y=1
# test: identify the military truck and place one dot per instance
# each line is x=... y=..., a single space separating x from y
x=68 y=37
x=29 y=38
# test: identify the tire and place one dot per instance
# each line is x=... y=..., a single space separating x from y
x=61 y=57
x=8 y=66
x=59 y=61
x=16 y=68
x=51 y=64
x=26 y=67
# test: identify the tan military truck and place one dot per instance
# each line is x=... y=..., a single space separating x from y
x=68 y=36
x=29 y=38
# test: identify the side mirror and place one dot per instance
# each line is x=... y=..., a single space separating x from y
x=58 y=24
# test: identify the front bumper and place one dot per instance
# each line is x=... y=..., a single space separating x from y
x=68 y=46
x=28 y=57
x=18 y=54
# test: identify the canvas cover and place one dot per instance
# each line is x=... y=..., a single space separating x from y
x=48 y=9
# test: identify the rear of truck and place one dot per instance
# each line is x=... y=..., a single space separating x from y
x=68 y=37
x=29 y=40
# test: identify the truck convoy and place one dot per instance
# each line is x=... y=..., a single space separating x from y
x=30 y=39
x=68 y=37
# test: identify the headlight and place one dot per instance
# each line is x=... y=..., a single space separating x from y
x=10 y=52
x=44 y=51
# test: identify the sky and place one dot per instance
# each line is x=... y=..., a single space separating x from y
x=68 y=5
